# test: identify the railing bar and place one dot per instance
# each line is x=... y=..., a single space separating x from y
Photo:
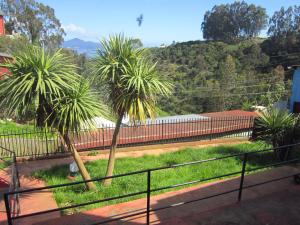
x=195 y=200
x=78 y=182
x=195 y=181
x=155 y=169
x=78 y=205
x=271 y=165
x=269 y=181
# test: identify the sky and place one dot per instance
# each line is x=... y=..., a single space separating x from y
x=164 y=21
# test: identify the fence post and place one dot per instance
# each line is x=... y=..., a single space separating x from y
x=7 y=207
x=242 y=176
x=47 y=148
x=211 y=127
x=162 y=129
x=103 y=137
x=148 y=195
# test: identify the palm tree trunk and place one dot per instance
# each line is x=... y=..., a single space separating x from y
x=83 y=171
x=112 y=153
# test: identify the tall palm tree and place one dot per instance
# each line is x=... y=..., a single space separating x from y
x=72 y=112
x=48 y=84
x=132 y=85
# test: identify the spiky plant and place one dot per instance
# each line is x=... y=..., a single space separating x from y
x=71 y=113
x=132 y=84
x=37 y=77
x=276 y=127
x=50 y=84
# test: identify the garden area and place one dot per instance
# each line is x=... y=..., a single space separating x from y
x=77 y=194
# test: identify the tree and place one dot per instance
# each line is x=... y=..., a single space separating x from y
x=228 y=77
x=285 y=23
x=13 y=45
x=48 y=84
x=232 y=22
x=132 y=85
x=73 y=112
x=34 y=20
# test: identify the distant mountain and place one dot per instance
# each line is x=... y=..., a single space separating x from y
x=81 y=46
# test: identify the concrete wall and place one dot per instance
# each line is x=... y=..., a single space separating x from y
x=295 y=89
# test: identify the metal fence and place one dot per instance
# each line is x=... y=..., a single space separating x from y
x=47 y=142
x=149 y=190
x=14 y=185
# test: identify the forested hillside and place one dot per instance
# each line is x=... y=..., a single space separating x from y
x=214 y=76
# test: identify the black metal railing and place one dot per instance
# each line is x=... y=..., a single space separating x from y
x=244 y=157
x=14 y=183
x=39 y=143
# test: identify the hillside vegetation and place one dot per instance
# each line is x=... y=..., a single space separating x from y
x=215 y=76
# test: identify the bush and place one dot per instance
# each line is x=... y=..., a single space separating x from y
x=279 y=128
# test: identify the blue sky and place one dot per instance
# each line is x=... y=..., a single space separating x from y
x=164 y=20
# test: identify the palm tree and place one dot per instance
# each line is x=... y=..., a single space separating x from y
x=132 y=85
x=72 y=112
x=48 y=84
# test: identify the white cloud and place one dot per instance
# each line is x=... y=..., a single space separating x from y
x=75 y=31
x=72 y=28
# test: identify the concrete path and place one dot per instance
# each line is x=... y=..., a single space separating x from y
x=260 y=204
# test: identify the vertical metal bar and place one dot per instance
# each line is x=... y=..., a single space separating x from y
x=242 y=176
x=7 y=207
x=47 y=149
x=162 y=129
x=211 y=125
x=148 y=195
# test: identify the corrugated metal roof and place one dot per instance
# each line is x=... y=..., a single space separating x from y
x=172 y=119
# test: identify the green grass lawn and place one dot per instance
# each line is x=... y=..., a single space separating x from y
x=125 y=185
x=5 y=163
x=13 y=126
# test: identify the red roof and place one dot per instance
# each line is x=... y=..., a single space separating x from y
x=3 y=58
x=230 y=113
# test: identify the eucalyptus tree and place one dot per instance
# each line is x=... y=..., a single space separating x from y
x=48 y=84
x=132 y=85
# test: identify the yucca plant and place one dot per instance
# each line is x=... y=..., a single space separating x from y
x=278 y=128
x=37 y=77
x=48 y=84
x=72 y=112
x=131 y=82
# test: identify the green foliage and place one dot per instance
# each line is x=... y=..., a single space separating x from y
x=76 y=108
x=125 y=185
x=285 y=23
x=131 y=81
x=34 y=20
x=276 y=127
x=283 y=44
x=11 y=45
x=47 y=84
x=215 y=76
x=38 y=77
x=11 y=126
x=232 y=22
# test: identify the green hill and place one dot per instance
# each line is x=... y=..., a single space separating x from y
x=215 y=76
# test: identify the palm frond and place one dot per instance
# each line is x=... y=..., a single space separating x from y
x=36 y=76
x=130 y=80
x=77 y=109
